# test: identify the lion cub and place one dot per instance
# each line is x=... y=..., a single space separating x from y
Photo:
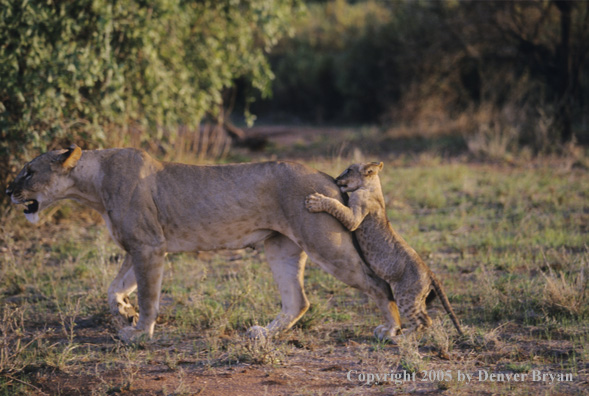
x=389 y=256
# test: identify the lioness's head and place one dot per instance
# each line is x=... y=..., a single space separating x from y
x=43 y=181
x=359 y=175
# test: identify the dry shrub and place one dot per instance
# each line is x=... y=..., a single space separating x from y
x=495 y=132
x=209 y=141
x=574 y=155
x=492 y=300
x=485 y=339
x=566 y=294
x=439 y=338
x=409 y=351
x=262 y=351
x=493 y=141
x=14 y=342
x=427 y=119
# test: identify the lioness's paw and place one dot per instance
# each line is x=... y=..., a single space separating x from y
x=257 y=333
x=387 y=333
x=130 y=335
x=313 y=202
x=121 y=322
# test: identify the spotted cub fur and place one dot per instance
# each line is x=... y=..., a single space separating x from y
x=387 y=253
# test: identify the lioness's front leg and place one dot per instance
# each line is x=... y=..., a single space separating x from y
x=351 y=218
x=148 y=266
x=118 y=294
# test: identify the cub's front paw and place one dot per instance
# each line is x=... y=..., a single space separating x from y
x=314 y=202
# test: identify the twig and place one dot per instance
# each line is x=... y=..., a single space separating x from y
x=25 y=383
x=201 y=389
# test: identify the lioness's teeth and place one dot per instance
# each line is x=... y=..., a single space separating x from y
x=31 y=206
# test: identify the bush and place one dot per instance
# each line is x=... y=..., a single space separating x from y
x=71 y=70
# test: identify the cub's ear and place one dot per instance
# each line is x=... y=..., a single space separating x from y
x=70 y=158
x=371 y=168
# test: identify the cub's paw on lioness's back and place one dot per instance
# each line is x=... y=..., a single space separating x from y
x=314 y=202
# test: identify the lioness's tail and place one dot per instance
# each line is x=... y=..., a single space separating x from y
x=440 y=292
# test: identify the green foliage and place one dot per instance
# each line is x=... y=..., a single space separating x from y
x=68 y=70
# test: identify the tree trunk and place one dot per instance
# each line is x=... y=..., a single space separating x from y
x=565 y=88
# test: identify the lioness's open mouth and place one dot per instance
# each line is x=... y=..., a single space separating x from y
x=32 y=206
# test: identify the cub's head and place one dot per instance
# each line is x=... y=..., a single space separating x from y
x=43 y=181
x=359 y=175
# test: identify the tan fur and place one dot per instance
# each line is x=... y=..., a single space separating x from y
x=386 y=252
x=152 y=208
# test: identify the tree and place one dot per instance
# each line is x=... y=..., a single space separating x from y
x=553 y=43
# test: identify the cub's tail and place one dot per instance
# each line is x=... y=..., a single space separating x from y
x=442 y=295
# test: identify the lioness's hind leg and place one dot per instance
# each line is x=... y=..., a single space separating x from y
x=345 y=264
x=118 y=294
x=287 y=262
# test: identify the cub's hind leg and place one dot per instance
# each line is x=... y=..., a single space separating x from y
x=412 y=304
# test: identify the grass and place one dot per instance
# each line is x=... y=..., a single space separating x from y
x=509 y=243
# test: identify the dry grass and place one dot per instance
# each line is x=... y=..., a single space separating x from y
x=567 y=292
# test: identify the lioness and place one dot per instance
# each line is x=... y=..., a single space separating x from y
x=153 y=207
x=386 y=252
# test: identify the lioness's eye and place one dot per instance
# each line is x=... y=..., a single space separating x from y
x=28 y=175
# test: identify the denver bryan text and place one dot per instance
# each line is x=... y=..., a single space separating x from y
x=535 y=376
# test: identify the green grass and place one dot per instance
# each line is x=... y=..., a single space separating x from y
x=508 y=242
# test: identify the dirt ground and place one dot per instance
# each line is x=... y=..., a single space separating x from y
x=339 y=368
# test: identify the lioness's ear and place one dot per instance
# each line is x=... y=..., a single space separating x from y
x=70 y=158
x=371 y=168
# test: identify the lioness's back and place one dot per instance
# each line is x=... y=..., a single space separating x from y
x=215 y=206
